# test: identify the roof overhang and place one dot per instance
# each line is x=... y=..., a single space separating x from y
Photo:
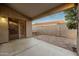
x=38 y=10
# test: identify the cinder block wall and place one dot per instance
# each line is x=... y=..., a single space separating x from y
x=57 y=30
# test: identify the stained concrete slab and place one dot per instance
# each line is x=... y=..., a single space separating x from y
x=32 y=47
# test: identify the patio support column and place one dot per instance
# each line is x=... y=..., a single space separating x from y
x=78 y=31
x=28 y=28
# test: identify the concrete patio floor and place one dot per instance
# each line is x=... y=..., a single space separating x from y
x=32 y=47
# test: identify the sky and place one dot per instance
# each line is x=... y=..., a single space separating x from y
x=54 y=17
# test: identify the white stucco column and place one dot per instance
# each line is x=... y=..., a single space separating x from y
x=28 y=28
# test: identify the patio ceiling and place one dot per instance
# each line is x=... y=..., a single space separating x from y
x=38 y=10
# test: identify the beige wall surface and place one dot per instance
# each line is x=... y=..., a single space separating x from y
x=28 y=28
x=3 y=30
x=9 y=12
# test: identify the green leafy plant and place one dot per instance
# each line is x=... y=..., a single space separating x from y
x=71 y=18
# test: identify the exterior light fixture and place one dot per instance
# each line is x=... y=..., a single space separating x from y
x=2 y=19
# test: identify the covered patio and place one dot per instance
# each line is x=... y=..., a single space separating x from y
x=23 y=43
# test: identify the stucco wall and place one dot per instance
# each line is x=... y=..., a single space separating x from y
x=28 y=28
x=9 y=12
x=3 y=30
